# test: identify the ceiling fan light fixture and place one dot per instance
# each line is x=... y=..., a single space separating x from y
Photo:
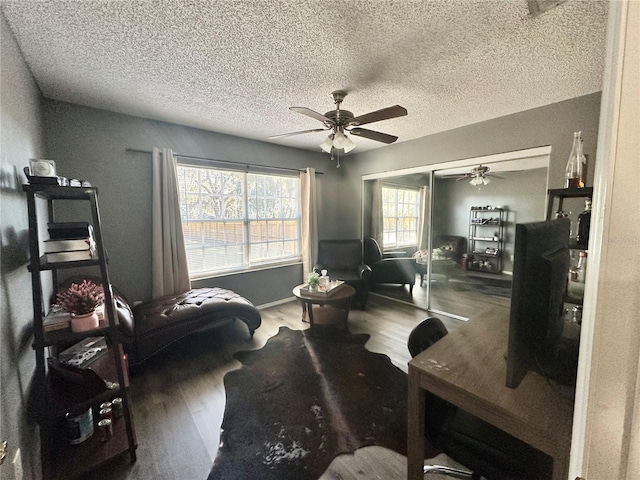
x=348 y=144
x=479 y=180
x=339 y=140
x=327 y=145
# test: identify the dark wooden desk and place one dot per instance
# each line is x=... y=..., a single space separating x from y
x=468 y=369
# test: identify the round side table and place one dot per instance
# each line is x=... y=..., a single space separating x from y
x=329 y=308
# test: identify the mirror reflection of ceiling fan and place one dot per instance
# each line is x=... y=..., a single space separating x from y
x=340 y=122
x=477 y=176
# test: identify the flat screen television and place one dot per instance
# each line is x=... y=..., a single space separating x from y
x=540 y=269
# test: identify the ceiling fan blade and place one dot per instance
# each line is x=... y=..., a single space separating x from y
x=298 y=133
x=456 y=175
x=311 y=113
x=384 y=114
x=371 y=135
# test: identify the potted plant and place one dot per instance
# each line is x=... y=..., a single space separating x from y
x=81 y=301
x=313 y=280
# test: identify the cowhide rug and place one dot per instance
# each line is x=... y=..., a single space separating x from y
x=300 y=401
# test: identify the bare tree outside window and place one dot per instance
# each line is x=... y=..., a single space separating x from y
x=237 y=220
x=400 y=213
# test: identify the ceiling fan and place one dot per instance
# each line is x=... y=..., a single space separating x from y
x=341 y=121
x=478 y=175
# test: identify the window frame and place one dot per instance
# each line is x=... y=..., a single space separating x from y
x=246 y=264
x=399 y=218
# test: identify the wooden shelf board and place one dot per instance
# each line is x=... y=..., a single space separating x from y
x=73 y=461
x=65 y=336
x=68 y=396
x=44 y=265
x=571 y=192
x=56 y=192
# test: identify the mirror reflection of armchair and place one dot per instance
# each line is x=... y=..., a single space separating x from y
x=343 y=260
x=389 y=268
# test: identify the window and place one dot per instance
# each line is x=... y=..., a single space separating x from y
x=400 y=212
x=235 y=220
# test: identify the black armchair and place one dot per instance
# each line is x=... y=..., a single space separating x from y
x=343 y=261
x=491 y=453
x=388 y=268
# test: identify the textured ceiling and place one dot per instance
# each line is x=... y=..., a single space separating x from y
x=236 y=66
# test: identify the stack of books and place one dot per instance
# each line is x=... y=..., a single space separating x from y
x=69 y=241
x=56 y=320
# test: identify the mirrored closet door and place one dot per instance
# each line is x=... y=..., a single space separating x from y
x=464 y=227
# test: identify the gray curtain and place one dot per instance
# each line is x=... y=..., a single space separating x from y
x=169 y=270
x=377 y=222
x=309 y=221
x=422 y=219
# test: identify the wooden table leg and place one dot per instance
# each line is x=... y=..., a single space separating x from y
x=346 y=314
x=310 y=315
x=415 y=427
x=560 y=468
x=304 y=310
x=345 y=307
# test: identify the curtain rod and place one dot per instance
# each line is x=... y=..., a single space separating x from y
x=249 y=165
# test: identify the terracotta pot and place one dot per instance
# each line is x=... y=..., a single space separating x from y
x=82 y=323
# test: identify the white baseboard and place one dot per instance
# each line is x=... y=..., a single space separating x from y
x=277 y=302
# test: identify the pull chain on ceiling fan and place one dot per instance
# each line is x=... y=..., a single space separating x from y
x=342 y=121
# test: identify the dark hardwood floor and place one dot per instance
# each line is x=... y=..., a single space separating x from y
x=465 y=294
x=178 y=397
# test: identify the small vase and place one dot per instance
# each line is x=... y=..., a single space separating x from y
x=87 y=321
x=313 y=288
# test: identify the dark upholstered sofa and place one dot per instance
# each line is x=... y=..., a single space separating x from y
x=151 y=326
x=450 y=246
x=447 y=256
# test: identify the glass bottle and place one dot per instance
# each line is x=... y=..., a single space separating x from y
x=584 y=223
x=575 y=287
x=573 y=172
x=585 y=159
x=324 y=281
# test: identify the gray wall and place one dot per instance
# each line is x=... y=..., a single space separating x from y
x=20 y=139
x=90 y=144
x=522 y=194
x=549 y=125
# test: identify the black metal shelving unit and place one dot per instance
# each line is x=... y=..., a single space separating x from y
x=486 y=239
